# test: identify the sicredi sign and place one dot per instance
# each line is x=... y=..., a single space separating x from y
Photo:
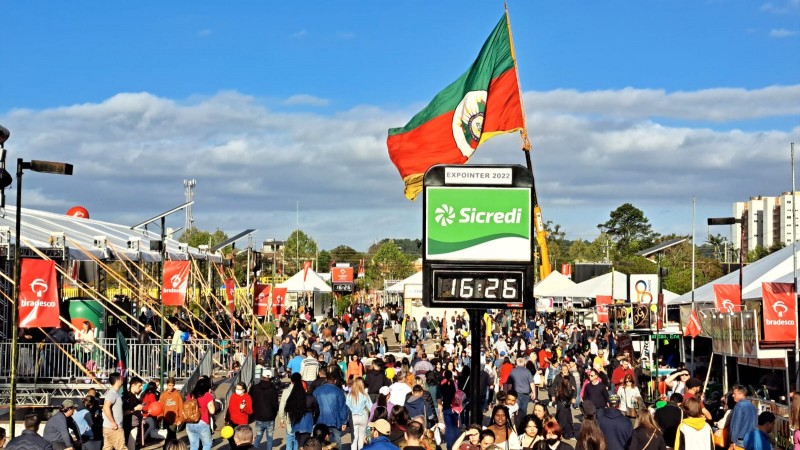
x=468 y=223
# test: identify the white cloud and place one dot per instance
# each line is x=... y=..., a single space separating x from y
x=592 y=152
x=782 y=33
x=299 y=34
x=781 y=7
x=305 y=99
x=204 y=33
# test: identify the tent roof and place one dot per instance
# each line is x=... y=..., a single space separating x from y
x=312 y=282
x=80 y=236
x=772 y=267
x=601 y=285
x=400 y=286
x=552 y=285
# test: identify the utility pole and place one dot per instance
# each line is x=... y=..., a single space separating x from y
x=189 y=186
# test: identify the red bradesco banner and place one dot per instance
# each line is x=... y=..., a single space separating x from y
x=602 y=303
x=727 y=298
x=261 y=298
x=176 y=280
x=278 y=301
x=38 y=294
x=780 y=323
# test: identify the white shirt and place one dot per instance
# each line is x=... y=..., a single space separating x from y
x=398 y=393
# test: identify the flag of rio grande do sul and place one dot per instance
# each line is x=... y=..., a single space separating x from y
x=38 y=294
x=278 y=301
x=261 y=298
x=780 y=316
x=176 y=280
x=727 y=298
x=482 y=103
x=602 y=303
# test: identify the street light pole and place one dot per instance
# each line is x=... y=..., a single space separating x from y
x=35 y=166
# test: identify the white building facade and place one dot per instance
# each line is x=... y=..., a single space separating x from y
x=766 y=221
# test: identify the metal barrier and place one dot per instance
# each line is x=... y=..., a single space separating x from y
x=203 y=368
x=48 y=360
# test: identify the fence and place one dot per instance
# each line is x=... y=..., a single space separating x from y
x=50 y=360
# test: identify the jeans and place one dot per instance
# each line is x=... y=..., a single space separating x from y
x=262 y=428
x=336 y=435
x=451 y=431
x=291 y=443
x=424 y=334
x=199 y=432
x=523 y=400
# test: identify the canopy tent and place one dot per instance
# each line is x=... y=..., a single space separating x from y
x=602 y=285
x=552 y=285
x=313 y=283
x=772 y=267
x=85 y=239
x=399 y=287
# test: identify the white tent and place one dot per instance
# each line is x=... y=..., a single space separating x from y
x=400 y=286
x=312 y=283
x=602 y=285
x=552 y=285
x=773 y=267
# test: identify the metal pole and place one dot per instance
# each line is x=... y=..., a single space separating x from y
x=163 y=355
x=15 y=312
x=693 y=305
x=475 y=316
x=794 y=271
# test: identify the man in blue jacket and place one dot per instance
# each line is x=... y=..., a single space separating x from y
x=744 y=416
x=616 y=427
x=333 y=411
x=380 y=436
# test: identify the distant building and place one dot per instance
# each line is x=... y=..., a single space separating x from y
x=767 y=221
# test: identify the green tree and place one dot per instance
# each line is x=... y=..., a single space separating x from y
x=389 y=263
x=324 y=260
x=411 y=247
x=760 y=252
x=629 y=228
x=299 y=247
x=579 y=251
x=196 y=238
x=717 y=242
x=557 y=244
x=601 y=249
x=345 y=254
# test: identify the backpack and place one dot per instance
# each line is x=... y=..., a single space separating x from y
x=457 y=405
x=191 y=410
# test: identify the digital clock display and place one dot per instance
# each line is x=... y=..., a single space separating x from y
x=486 y=286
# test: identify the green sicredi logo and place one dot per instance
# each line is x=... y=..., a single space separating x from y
x=478 y=223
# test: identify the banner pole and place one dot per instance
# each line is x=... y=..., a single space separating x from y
x=163 y=354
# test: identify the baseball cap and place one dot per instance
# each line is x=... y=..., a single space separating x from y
x=693 y=383
x=67 y=404
x=382 y=426
x=613 y=398
x=384 y=390
x=588 y=408
x=267 y=374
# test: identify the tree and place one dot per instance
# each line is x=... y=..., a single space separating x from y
x=579 y=251
x=299 y=247
x=389 y=263
x=760 y=252
x=601 y=249
x=717 y=242
x=411 y=247
x=629 y=228
x=345 y=254
x=557 y=244
x=196 y=238
x=324 y=260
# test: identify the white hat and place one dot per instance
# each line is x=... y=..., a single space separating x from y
x=384 y=390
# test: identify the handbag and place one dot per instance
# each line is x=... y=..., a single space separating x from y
x=722 y=437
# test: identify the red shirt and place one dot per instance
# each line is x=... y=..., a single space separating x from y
x=544 y=354
x=505 y=371
x=202 y=403
x=237 y=415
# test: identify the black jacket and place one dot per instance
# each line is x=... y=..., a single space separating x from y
x=265 y=401
x=616 y=428
x=376 y=379
x=29 y=440
x=644 y=439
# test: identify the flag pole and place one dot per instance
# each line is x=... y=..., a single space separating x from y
x=693 y=305
x=526 y=143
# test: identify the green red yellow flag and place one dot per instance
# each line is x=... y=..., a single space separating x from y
x=482 y=103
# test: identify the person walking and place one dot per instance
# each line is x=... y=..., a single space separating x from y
x=564 y=400
x=332 y=407
x=616 y=427
x=646 y=434
x=113 y=435
x=200 y=432
x=240 y=407
x=265 y=408
x=30 y=439
x=743 y=418
x=57 y=429
x=302 y=410
x=521 y=381
x=758 y=438
x=360 y=405
x=172 y=401
x=693 y=432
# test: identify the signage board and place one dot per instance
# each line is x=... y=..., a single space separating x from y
x=413 y=291
x=478 y=237
x=345 y=288
x=643 y=288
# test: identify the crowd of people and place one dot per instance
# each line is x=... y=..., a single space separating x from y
x=544 y=384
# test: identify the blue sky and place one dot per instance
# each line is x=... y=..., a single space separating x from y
x=271 y=104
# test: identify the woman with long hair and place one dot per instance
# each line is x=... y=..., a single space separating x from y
x=693 y=432
x=590 y=437
x=469 y=439
x=531 y=432
x=503 y=429
x=447 y=389
x=398 y=419
x=564 y=394
x=359 y=404
x=200 y=432
x=646 y=433
x=628 y=395
x=794 y=418
x=302 y=410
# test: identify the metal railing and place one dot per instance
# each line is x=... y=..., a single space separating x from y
x=203 y=368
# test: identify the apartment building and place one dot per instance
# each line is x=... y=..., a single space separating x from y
x=766 y=221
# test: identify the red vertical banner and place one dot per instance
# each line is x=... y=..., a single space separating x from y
x=602 y=302
x=306 y=266
x=361 y=270
x=176 y=280
x=278 y=301
x=727 y=298
x=693 y=327
x=38 y=294
x=566 y=270
x=779 y=311
x=261 y=299
x=230 y=291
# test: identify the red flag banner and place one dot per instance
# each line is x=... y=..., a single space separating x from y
x=566 y=270
x=176 y=280
x=261 y=298
x=278 y=301
x=602 y=302
x=693 y=328
x=306 y=266
x=230 y=291
x=727 y=298
x=38 y=294
x=482 y=103
x=780 y=323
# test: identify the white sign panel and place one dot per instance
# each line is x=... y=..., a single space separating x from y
x=498 y=176
x=412 y=291
x=644 y=288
